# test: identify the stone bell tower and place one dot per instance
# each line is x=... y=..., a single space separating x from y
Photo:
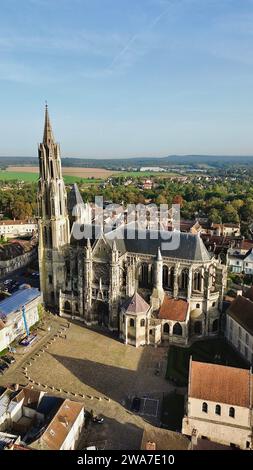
x=53 y=217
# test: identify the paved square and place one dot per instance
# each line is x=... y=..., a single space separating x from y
x=107 y=373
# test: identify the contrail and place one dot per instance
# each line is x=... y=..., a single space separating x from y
x=135 y=36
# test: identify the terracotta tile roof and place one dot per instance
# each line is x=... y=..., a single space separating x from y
x=246 y=244
x=220 y=384
x=241 y=310
x=136 y=304
x=173 y=309
x=61 y=424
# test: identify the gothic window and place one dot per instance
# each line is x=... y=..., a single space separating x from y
x=132 y=322
x=50 y=279
x=231 y=412
x=218 y=410
x=166 y=328
x=52 y=169
x=76 y=307
x=50 y=237
x=67 y=306
x=144 y=275
x=171 y=278
x=215 y=325
x=142 y=322
x=213 y=304
x=204 y=407
x=45 y=236
x=124 y=276
x=165 y=276
x=151 y=276
x=177 y=329
x=197 y=281
x=198 y=328
x=197 y=305
x=184 y=279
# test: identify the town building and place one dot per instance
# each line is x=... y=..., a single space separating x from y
x=39 y=421
x=17 y=254
x=239 y=325
x=63 y=431
x=147 y=184
x=12 y=323
x=17 y=228
x=241 y=263
x=93 y=275
x=219 y=405
x=226 y=230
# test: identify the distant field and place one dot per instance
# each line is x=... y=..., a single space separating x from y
x=33 y=177
x=72 y=175
x=88 y=176
x=70 y=171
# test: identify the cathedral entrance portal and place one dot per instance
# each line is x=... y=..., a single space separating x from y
x=101 y=310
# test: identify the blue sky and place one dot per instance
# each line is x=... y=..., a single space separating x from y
x=127 y=77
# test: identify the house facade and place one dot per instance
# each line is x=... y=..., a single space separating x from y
x=219 y=405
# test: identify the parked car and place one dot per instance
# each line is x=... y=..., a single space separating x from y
x=97 y=420
x=3 y=365
x=8 y=359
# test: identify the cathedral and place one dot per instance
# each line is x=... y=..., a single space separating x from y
x=122 y=279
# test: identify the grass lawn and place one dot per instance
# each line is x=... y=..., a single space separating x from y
x=212 y=350
x=33 y=177
x=172 y=411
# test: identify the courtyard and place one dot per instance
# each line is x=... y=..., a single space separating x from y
x=105 y=374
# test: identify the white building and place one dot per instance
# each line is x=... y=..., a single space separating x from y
x=219 y=405
x=17 y=228
x=64 y=430
x=226 y=230
x=239 y=262
x=239 y=325
x=12 y=323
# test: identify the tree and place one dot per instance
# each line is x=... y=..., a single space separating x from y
x=214 y=216
x=230 y=214
x=178 y=200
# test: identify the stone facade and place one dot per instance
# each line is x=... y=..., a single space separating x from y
x=90 y=278
x=219 y=405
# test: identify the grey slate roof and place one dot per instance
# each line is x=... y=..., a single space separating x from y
x=128 y=239
x=136 y=304
x=241 y=310
x=187 y=246
x=74 y=198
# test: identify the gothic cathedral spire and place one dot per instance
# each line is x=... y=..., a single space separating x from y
x=48 y=136
x=53 y=215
